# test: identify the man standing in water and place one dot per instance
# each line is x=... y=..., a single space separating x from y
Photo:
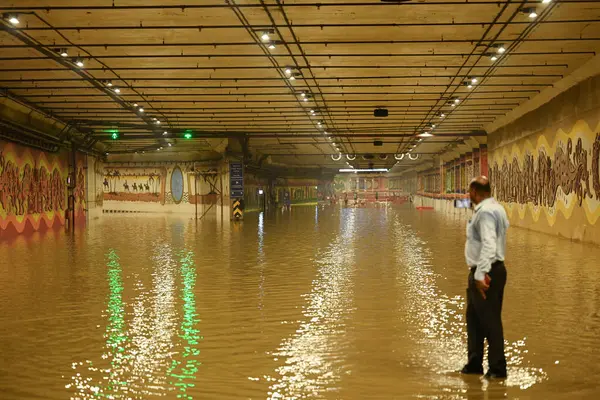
x=484 y=251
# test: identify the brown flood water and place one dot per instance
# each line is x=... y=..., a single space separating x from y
x=319 y=303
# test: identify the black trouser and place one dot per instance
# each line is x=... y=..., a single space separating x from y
x=484 y=320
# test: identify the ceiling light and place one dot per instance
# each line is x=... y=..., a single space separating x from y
x=442 y=115
x=305 y=99
x=292 y=78
x=303 y=94
x=12 y=18
x=493 y=58
x=470 y=86
x=141 y=109
x=62 y=52
x=169 y=144
x=157 y=122
x=546 y=1
x=453 y=105
x=432 y=126
x=364 y=170
x=135 y=104
x=530 y=11
x=78 y=62
x=500 y=49
x=117 y=90
x=312 y=112
x=457 y=100
x=474 y=80
x=165 y=133
x=271 y=46
x=265 y=37
x=425 y=134
x=288 y=71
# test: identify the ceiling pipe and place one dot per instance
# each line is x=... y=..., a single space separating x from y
x=318 y=26
x=314 y=42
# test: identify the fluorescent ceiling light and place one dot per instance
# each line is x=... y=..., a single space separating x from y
x=364 y=170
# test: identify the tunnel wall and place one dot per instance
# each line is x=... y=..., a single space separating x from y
x=159 y=187
x=34 y=189
x=544 y=166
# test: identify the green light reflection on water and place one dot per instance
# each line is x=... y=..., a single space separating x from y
x=184 y=369
x=115 y=328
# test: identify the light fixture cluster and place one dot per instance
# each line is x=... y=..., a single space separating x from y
x=266 y=38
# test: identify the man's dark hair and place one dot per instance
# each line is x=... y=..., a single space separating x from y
x=481 y=188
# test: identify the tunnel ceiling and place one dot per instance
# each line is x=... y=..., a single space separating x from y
x=208 y=69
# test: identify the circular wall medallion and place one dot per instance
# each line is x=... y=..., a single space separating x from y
x=177 y=185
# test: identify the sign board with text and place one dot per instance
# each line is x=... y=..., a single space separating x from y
x=236 y=179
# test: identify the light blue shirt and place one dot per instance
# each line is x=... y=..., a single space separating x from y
x=486 y=237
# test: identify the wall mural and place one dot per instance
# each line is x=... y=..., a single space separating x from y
x=134 y=184
x=557 y=177
x=33 y=189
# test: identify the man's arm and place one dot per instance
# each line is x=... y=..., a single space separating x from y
x=487 y=232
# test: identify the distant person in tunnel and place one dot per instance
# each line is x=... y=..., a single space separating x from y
x=484 y=252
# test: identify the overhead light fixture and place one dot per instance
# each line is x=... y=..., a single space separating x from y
x=500 y=49
x=157 y=122
x=117 y=90
x=135 y=104
x=169 y=144
x=457 y=100
x=165 y=133
x=312 y=112
x=141 y=109
x=546 y=1
x=271 y=46
x=474 y=80
x=62 y=52
x=292 y=78
x=530 y=11
x=432 y=126
x=425 y=134
x=442 y=115
x=303 y=94
x=355 y=170
x=306 y=99
x=78 y=62
x=12 y=18
x=494 y=58
x=288 y=71
x=265 y=37
x=468 y=84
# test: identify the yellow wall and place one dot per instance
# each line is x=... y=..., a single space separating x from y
x=545 y=166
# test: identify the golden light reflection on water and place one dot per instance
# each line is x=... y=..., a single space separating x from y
x=441 y=337
x=326 y=303
x=309 y=368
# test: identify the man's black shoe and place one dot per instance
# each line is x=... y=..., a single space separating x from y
x=495 y=375
x=470 y=370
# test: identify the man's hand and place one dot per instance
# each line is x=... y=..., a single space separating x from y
x=483 y=286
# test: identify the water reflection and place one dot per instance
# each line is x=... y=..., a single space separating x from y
x=142 y=356
x=441 y=336
x=313 y=356
x=183 y=369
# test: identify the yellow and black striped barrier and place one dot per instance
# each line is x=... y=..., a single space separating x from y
x=237 y=211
